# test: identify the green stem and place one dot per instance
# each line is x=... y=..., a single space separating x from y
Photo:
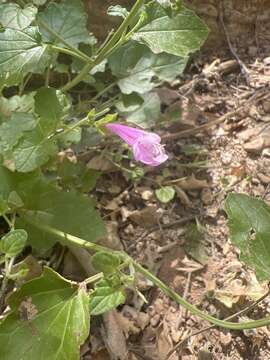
x=70 y=52
x=103 y=52
x=68 y=238
x=94 y=278
x=63 y=41
x=173 y=295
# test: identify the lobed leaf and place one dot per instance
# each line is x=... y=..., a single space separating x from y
x=68 y=20
x=179 y=35
x=21 y=52
x=14 y=17
x=249 y=224
x=50 y=317
x=136 y=67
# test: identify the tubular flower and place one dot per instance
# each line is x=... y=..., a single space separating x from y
x=145 y=145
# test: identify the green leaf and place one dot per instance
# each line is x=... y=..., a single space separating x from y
x=249 y=224
x=141 y=110
x=50 y=317
x=13 y=243
x=117 y=10
x=165 y=194
x=136 y=66
x=13 y=16
x=21 y=52
x=105 y=262
x=43 y=203
x=12 y=131
x=24 y=103
x=33 y=150
x=69 y=20
x=106 y=297
x=3 y=206
x=180 y=35
x=14 y=200
x=48 y=107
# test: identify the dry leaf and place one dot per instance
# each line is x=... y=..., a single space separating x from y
x=114 y=336
x=192 y=183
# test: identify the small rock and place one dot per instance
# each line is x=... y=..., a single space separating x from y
x=155 y=320
x=255 y=145
x=206 y=196
x=147 y=195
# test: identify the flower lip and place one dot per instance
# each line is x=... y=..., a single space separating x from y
x=145 y=145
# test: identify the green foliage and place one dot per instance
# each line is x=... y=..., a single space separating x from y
x=50 y=317
x=68 y=20
x=117 y=10
x=139 y=70
x=165 y=194
x=249 y=223
x=14 y=17
x=13 y=243
x=141 y=110
x=45 y=203
x=108 y=294
x=179 y=35
x=106 y=262
x=21 y=52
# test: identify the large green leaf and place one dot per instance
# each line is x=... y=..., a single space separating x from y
x=49 y=319
x=179 y=35
x=43 y=203
x=249 y=223
x=105 y=297
x=24 y=103
x=69 y=20
x=136 y=66
x=13 y=16
x=21 y=52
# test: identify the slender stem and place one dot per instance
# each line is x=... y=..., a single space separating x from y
x=233 y=316
x=70 y=52
x=103 y=52
x=173 y=295
x=8 y=266
x=64 y=42
x=68 y=238
x=10 y=224
x=94 y=278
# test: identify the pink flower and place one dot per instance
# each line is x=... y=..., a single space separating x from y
x=145 y=145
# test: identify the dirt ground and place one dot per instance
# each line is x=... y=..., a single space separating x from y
x=216 y=127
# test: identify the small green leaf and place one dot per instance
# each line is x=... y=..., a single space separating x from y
x=143 y=110
x=14 y=200
x=21 y=52
x=11 y=131
x=165 y=194
x=33 y=150
x=117 y=10
x=14 y=17
x=69 y=20
x=50 y=316
x=13 y=243
x=249 y=224
x=48 y=107
x=107 y=263
x=179 y=35
x=106 y=297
